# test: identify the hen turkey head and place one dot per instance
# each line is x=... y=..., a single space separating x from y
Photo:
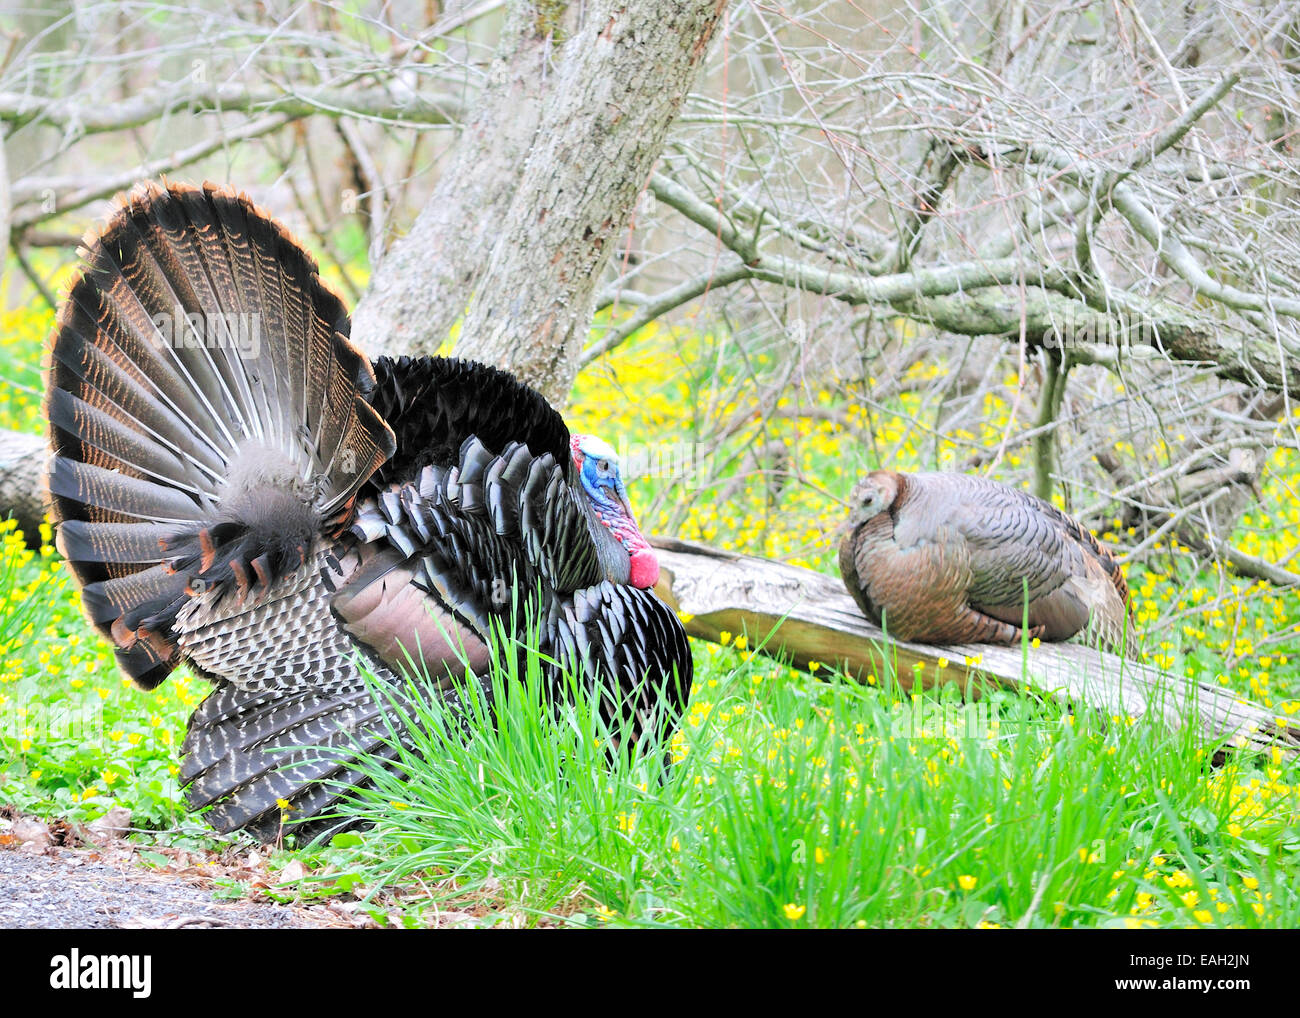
x=874 y=495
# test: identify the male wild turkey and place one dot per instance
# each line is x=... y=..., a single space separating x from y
x=236 y=487
x=950 y=558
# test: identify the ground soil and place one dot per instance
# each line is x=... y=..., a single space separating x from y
x=55 y=875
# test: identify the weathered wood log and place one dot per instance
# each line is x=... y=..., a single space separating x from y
x=805 y=616
x=22 y=488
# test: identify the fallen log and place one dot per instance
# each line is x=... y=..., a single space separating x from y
x=22 y=487
x=804 y=616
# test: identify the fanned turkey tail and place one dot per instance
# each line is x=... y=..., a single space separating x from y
x=207 y=414
x=209 y=425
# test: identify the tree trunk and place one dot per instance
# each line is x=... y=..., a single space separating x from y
x=526 y=217
x=5 y=211
x=424 y=283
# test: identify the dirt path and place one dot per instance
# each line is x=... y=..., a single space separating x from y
x=64 y=889
x=102 y=884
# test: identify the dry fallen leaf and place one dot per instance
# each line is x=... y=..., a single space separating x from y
x=292 y=873
x=111 y=826
x=31 y=832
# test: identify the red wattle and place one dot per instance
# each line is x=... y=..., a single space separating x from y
x=645 y=569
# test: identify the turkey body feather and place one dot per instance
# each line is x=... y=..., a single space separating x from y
x=951 y=558
x=237 y=488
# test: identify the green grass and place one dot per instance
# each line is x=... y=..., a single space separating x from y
x=75 y=737
x=795 y=803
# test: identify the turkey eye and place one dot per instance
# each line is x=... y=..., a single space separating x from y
x=603 y=466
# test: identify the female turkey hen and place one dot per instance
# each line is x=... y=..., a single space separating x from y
x=236 y=487
x=950 y=558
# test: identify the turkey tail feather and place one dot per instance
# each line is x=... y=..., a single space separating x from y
x=208 y=414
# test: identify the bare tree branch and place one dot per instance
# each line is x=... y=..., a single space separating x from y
x=75 y=116
x=108 y=186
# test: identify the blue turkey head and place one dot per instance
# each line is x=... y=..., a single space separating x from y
x=625 y=555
